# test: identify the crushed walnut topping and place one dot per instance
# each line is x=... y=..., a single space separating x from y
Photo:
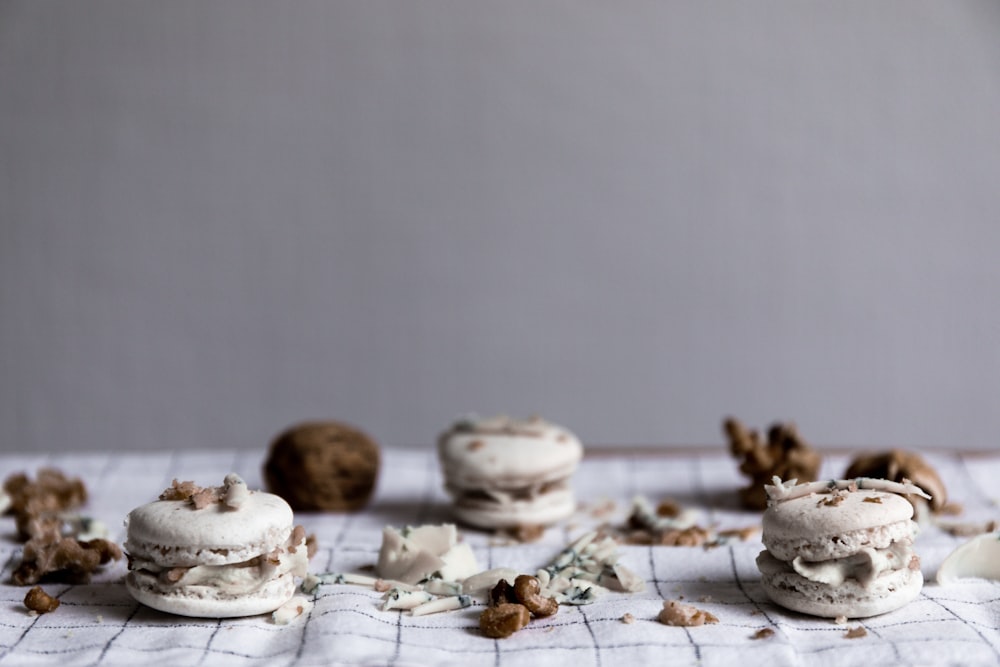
x=856 y=633
x=232 y=494
x=763 y=633
x=832 y=500
x=180 y=491
x=312 y=545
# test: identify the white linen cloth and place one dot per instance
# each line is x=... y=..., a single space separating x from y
x=99 y=624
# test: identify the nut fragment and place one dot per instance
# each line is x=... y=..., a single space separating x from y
x=503 y=620
x=36 y=504
x=675 y=613
x=785 y=454
x=233 y=493
x=527 y=590
x=502 y=593
x=688 y=537
x=39 y=601
x=180 y=490
x=70 y=559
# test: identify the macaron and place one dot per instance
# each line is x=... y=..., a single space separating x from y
x=505 y=473
x=214 y=552
x=840 y=548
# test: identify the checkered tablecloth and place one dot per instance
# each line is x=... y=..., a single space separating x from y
x=99 y=624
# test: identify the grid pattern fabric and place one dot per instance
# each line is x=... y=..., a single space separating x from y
x=99 y=624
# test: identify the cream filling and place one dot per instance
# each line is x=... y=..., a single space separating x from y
x=227 y=580
x=864 y=567
x=509 y=496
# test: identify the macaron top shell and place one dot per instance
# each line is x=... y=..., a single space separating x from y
x=820 y=526
x=503 y=451
x=174 y=533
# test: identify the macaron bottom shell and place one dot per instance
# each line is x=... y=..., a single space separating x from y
x=890 y=591
x=208 y=602
x=547 y=509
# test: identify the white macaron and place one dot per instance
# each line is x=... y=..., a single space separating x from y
x=229 y=552
x=504 y=473
x=842 y=548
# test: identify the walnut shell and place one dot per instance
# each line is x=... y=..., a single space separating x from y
x=323 y=466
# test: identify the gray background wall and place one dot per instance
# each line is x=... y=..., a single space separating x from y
x=218 y=218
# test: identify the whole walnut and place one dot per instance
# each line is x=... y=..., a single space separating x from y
x=323 y=466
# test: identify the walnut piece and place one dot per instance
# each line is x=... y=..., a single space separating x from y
x=312 y=545
x=763 y=633
x=511 y=607
x=503 y=620
x=688 y=537
x=684 y=615
x=36 y=505
x=180 y=491
x=785 y=454
x=501 y=593
x=66 y=559
x=970 y=529
x=669 y=508
x=233 y=493
x=528 y=590
x=897 y=465
x=856 y=633
x=39 y=601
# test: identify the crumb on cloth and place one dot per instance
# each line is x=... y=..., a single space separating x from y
x=684 y=615
x=39 y=601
